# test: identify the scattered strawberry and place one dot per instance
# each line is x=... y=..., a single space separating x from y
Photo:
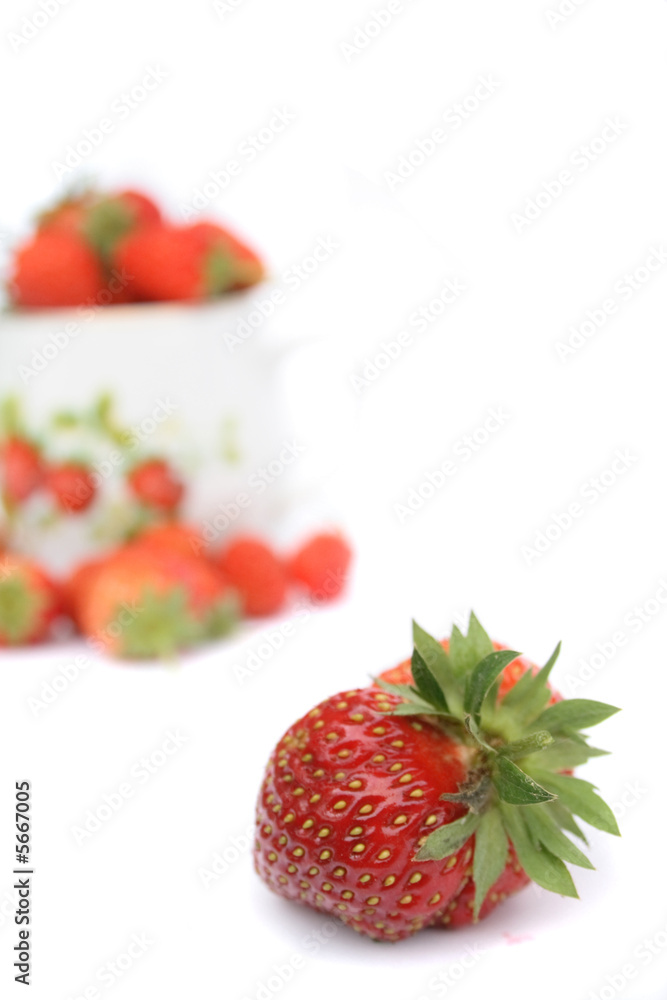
x=155 y=484
x=256 y=573
x=29 y=601
x=113 y=217
x=398 y=807
x=22 y=470
x=55 y=268
x=68 y=215
x=321 y=565
x=247 y=266
x=76 y=587
x=150 y=602
x=173 y=537
x=72 y=486
x=170 y=263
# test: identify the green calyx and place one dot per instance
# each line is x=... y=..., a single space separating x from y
x=518 y=746
x=106 y=223
x=20 y=609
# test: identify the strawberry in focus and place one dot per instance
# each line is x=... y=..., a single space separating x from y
x=29 y=601
x=156 y=485
x=256 y=573
x=426 y=802
x=321 y=565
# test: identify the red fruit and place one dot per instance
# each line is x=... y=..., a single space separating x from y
x=168 y=263
x=72 y=486
x=77 y=585
x=146 y=602
x=256 y=573
x=55 y=268
x=29 y=601
x=174 y=537
x=113 y=217
x=321 y=565
x=21 y=466
x=247 y=266
x=155 y=484
x=396 y=808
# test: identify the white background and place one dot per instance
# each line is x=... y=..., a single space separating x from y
x=355 y=113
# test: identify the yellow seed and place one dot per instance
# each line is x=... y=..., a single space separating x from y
x=306 y=757
x=307 y=824
x=341 y=705
x=400 y=820
x=341 y=804
x=277 y=808
x=344 y=753
x=339 y=871
x=341 y=906
x=318 y=724
x=357 y=717
x=365 y=878
x=365 y=810
x=430 y=820
x=379 y=757
x=452 y=862
x=332 y=736
x=467 y=857
x=325 y=855
x=358 y=848
x=403 y=780
x=273 y=856
x=315 y=711
x=355 y=784
x=347 y=894
x=404 y=900
x=298 y=791
x=416 y=793
x=313 y=871
x=435 y=899
x=383 y=855
x=398 y=743
x=289 y=817
x=282 y=879
x=315 y=798
x=288 y=777
x=304 y=884
x=327 y=887
x=379 y=730
x=319 y=897
x=417 y=877
x=282 y=840
x=373 y=900
x=356 y=831
x=324 y=832
x=390 y=879
x=267 y=829
x=395 y=767
x=379 y=926
x=339 y=775
x=270 y=798
x=298 y=852
x=418 y=726
x=319 y=773
x=292 y=869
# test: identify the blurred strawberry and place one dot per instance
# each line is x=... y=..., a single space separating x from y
x=247 y=267
x=155 y=484
x=29 y=601
x=172 y=537
x=256 y=574
x=114 y=216
x=68 y=215
x=77 y=585
x=72 y=486
x=55 y=268
x=21 y=466
x=321 y=565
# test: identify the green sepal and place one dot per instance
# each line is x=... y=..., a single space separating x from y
x=402 y=690
x=579 y=797
x=563 y=755
x=427 y=686
x=106 y=223
x=575 y=713
x=20 y=608
x=491 y=848
x=476 y=734
x=482 y=677
x=448 y=839
x=535 y=743
x=530 y=694
x=565 y=819
x=539 y=863
x=439 y=664
x=466 y=651
x=162 y=626
x=516 y=787
x=544 y=829
x=223 y=617
x=218 y=271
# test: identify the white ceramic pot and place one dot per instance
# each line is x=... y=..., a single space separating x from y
x=196 y=385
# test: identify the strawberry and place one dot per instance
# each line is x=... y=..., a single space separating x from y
x=68 y=215
x=155 y=484
x=402 y=806
x=72 y=486
x=247 y=266
x=29 y=601
x=170 y=263
x=321 y=565
x=256 y=573
x=144 y=602
x=76 y=586
x=55 y=268
x=172 y=536
x=113 y=217
x=22 y=471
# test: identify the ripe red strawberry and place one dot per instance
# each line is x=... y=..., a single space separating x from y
x=72 y=486
x=55 y=268
x=257 y=575
x=321 y=565
x=22 y=470
x=68 y=215
x=155 y=484
x=112 y=217
x=247 y=266
x=76 y=587
x=146 y=602
x=403 y=806
x=29 y=601
x=170 y=263
x=172 y=536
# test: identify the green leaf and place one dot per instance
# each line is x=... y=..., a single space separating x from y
x=490 y=855
x=439 y=664
x=418 y=708
x=540 y=864
x=545 y=830
x=530 y=694
x=579 y=796
x=448 y=839
x=575 y=713
x=466 y=652
x=426 y=684
x=563 y=755
x=565 y=819
x=534 y=743
x=482 y=677
x=402 y=690
x=516 y=787
x=476 y=734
